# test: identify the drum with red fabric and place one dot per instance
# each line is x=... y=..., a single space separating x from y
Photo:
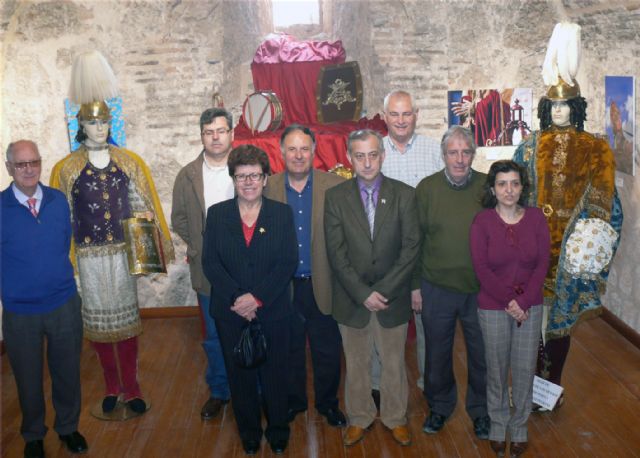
x=262 y=112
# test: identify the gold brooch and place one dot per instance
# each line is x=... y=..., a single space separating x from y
x=547 y=210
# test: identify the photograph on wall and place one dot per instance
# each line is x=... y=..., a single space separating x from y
x=116 y=135
x=620 y=120
x=497 y=117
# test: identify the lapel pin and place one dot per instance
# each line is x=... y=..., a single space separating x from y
x=262 y=230
x=384 y=201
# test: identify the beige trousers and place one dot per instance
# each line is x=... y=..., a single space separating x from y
x=394 y=390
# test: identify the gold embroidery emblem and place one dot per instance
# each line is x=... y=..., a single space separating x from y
x=105 y=195
x=339 y=94
x=109 y=237
x=89 y=172
x=87 y=239
x=107 y=215
x=103 y=176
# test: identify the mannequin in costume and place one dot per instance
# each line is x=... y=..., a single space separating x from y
x=104 y=185
x=572 y=176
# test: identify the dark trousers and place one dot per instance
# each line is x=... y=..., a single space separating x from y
x=271 y=376
x=440 y=311
x=24 y=337
x=325 y=345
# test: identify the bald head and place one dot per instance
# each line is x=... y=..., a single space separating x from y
x=19 y=145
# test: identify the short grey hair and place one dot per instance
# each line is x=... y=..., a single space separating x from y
x=363 y=134
x=12 y=145
x=457 y=132
x=396 y=92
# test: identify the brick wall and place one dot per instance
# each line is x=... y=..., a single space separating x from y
x=170 y=54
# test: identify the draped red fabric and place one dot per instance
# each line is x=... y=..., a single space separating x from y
x=284 y=48
x=331 y=142
x=295 y=86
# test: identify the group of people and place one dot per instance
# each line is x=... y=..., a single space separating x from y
x=344 y=264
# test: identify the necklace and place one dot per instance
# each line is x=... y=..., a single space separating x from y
x=96 y=148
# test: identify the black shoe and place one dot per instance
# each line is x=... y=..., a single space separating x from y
x=212 y=408
x=75 y=442
x=109 y=403
x=375 y=394
x=251 y=446
x=334 y=417
x=291 y=414
x=481 y=427
x=279 y=446
x=434 y=423
x=34 y=449
x=137 y=405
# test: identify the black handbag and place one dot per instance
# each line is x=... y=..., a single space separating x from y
x=251 y=349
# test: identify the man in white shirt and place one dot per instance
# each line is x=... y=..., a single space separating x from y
x=409 y=158
x=200 y=184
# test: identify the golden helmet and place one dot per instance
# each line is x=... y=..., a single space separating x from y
x=563 y=91
x=94 y=110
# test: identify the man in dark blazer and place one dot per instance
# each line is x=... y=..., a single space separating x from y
x=372 y=238
x=303 y=189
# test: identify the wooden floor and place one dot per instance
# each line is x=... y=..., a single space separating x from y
x=600 y=417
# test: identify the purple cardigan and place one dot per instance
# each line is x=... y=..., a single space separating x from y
x=510 y=260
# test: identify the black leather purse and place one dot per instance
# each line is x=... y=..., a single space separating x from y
x=251 y=349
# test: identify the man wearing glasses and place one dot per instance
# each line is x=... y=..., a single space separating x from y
x=200 y=184
x=372 y=237
x=40 y=299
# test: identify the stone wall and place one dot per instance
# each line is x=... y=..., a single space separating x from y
x=429 y=47
x=169 y=55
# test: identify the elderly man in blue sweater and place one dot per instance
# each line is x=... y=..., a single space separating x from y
x=40 y=300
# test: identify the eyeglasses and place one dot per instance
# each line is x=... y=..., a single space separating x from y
x=251 y=177
x=23 y=165
x=360 y=157
x=219 y=132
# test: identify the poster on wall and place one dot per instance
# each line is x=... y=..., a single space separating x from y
x=497 y=117
x=620 y=120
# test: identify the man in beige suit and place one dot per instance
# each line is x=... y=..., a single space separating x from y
x=372 y=237
x=200 y=184
x=303 y=189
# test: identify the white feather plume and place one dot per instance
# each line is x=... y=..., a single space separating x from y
x=563 y=54
x=92 y=79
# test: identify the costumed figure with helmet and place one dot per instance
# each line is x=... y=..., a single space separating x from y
x=105 y=185
x=572 y=176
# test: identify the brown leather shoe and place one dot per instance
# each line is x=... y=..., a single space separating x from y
x=212 y=408
x=517 y=448
x=401 y=434
x=498 y=447
x=352 y=435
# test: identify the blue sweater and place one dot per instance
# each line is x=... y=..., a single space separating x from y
x=36 y=272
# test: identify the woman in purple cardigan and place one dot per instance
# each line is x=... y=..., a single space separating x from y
x=510 y=253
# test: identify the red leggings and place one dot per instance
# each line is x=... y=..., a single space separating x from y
x=127 y=356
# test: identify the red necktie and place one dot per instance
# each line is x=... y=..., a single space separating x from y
x=32 y=206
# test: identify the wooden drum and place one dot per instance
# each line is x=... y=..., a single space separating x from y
x=262 y=111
